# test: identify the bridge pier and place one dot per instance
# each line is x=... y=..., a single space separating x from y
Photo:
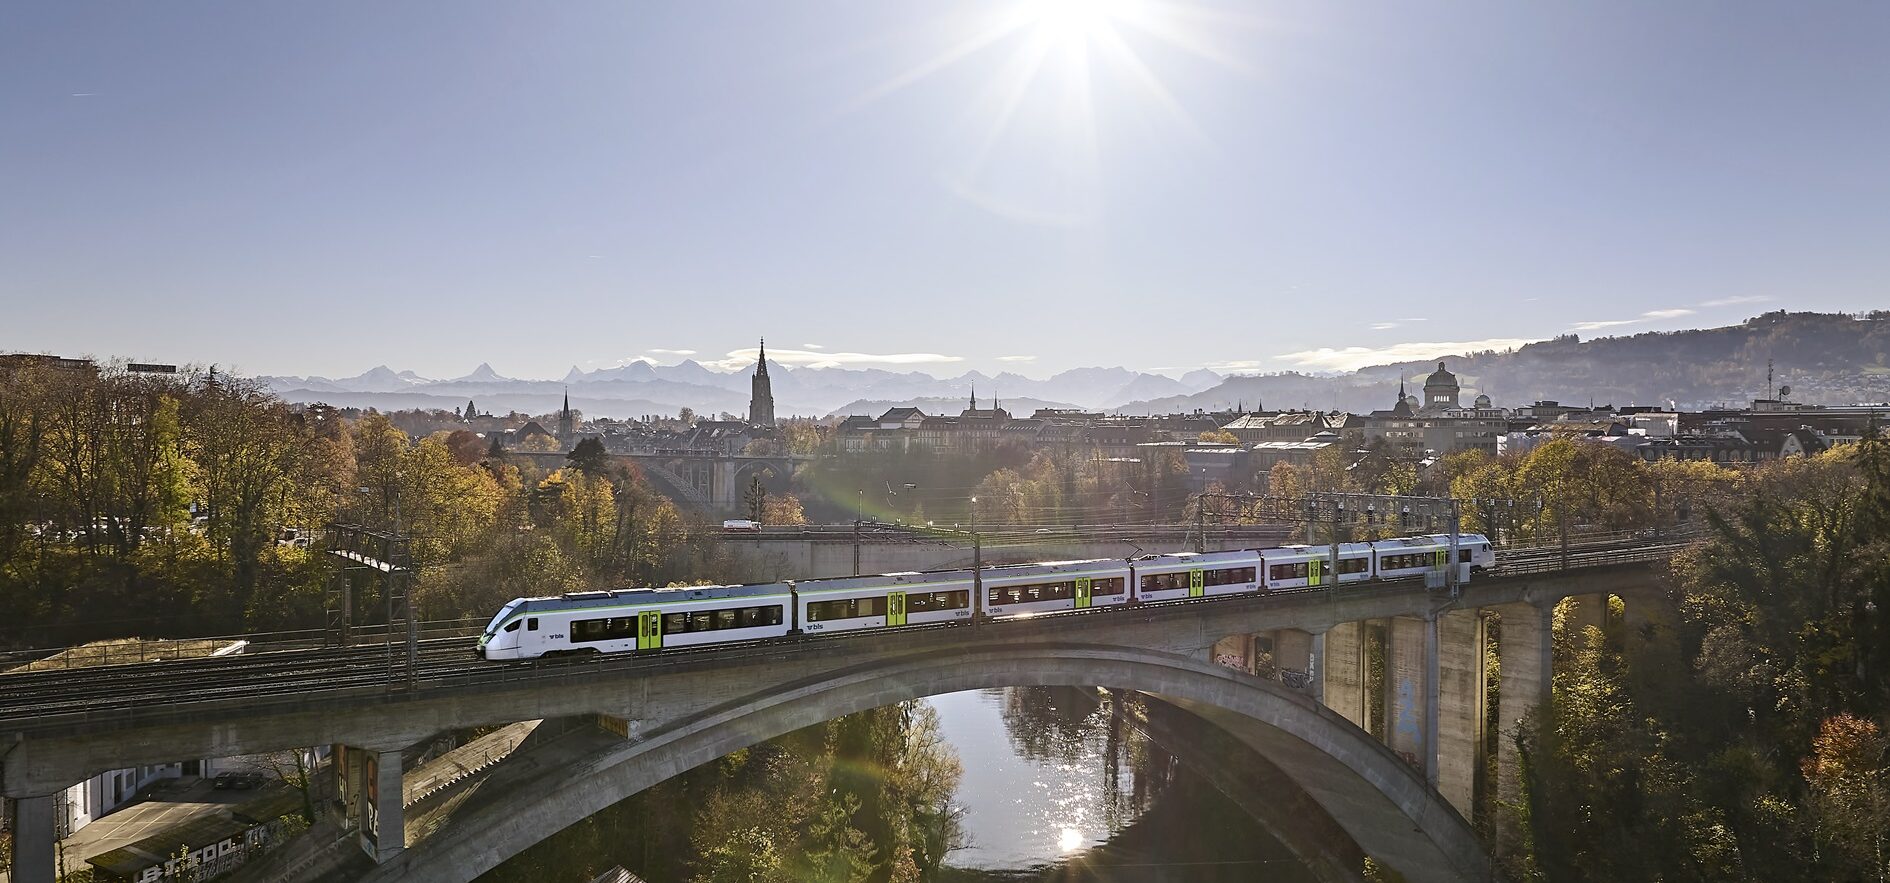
x=33 y=840
x=382 y=808
x=1525 y=658
x=1344 y=665
x=1408 y=687
x=1292 y=652
x=1461 y=705
x=1316 y=666
x=368 y=786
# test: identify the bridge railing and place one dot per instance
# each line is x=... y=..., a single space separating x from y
x=1550 y=560
x=131 y=651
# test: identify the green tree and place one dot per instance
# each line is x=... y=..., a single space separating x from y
x=837 y=852
x=589 y=457
x=755 y=498
x=748 y=856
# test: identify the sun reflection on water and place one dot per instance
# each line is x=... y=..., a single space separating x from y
x=1071 y=840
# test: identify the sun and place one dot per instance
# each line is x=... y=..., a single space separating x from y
x=1060 y=75
x=1061 y=21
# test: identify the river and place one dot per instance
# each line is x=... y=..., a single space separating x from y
x=1057 y=786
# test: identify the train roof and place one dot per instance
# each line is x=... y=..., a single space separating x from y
x=902 y=578
x=1191 y=558
x=1325 y=549
x=620 y=597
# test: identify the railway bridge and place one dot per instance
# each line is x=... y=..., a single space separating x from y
x=1399 y=787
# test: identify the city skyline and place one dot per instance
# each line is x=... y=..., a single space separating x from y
x=1157 y=185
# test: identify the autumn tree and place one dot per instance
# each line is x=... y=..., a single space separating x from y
x=782 y=510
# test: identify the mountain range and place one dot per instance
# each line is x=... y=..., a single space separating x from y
x=1829 y=358
x=642 y=388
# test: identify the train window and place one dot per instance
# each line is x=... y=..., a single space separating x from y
x=845 y=608
x=531 y=624
x=927 y=602
x=1156 y=582
x=512 y=626
x=1110 y=585
x=1354 y=565
x=1463 y=555
x=1227 y=576
x=675 y=623
x=724 y=619
x=583 y=630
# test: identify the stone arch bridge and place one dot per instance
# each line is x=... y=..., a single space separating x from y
x=1401 y=800
x=707 y=480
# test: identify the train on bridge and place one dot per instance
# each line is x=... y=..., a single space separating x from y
x=650 y=620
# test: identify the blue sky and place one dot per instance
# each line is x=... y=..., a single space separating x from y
x=320 y=187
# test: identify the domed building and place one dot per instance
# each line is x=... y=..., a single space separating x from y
x=1440 y=390
x=1483 y=402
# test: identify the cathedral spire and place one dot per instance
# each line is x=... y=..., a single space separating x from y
x=761 y=399
x=974 y=397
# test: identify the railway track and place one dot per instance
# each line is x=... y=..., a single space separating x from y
x=59 y=692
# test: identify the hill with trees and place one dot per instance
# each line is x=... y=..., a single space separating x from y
x=1827 y=358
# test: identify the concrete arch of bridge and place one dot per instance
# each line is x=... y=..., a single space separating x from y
x=1377 y=799
x=774 y=478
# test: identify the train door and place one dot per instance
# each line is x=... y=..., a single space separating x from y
x=1314 y=569
x=1082 y=592
x=895 y=608
x=1442 y=559
x=1196 y=585
x=649 y=630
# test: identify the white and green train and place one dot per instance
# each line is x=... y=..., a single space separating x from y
x=651 y=620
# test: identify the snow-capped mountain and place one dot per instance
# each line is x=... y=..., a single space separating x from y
x=641 y=387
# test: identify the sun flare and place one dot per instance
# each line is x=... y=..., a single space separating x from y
x=1066 y=20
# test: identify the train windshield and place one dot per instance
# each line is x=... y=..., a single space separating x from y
x=498 y=620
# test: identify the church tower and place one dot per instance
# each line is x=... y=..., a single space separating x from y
x=566 y=429
x=1403 y=407
x=761 y=398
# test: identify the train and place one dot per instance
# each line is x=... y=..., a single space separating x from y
x=642 y=620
